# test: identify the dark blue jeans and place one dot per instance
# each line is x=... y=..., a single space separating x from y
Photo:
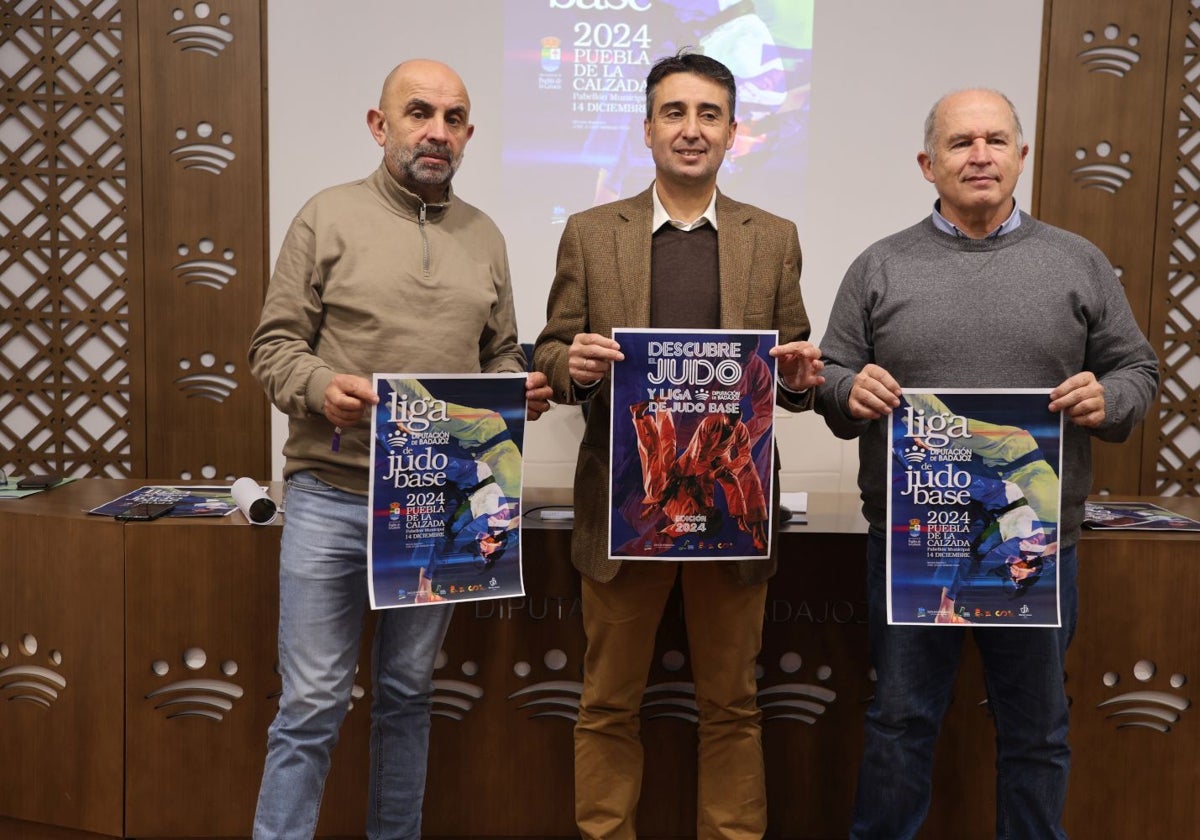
x=916 y=668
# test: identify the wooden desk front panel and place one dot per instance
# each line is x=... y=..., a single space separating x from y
x=1124 y=778
x=203 y=604
x=206 y=593
x=61 y=704
x=1136 y=762
x=496 y=768
x=505 y=767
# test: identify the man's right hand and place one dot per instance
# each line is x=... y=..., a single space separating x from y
x=346 y=398
x=590 y=357
x=874 y=394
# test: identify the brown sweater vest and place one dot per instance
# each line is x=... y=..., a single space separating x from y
x=685 y=290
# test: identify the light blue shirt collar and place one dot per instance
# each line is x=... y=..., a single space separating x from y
x=945 y=226
x=661 y=216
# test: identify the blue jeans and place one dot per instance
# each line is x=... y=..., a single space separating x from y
x=322 y=602
x=916 y=668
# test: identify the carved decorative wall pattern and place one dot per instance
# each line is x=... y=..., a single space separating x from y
x=30 y=678
x=1108 y=56
x=207 y=382
x=1158 y=706
x=133 y=241
x=204 y=37
x=195 y=694
x=1103 y=174
x=201 y=153
x=68 y=263
x=1176 y=469
x=204 y=270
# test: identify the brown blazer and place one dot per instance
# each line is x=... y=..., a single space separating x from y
x=602 y=281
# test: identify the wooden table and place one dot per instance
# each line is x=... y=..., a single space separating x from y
x=111 y=617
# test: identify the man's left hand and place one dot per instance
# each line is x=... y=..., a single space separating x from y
x=800 y=365
x=1082 y=398
x=537 y=395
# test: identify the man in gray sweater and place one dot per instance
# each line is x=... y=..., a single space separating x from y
x=979 y=295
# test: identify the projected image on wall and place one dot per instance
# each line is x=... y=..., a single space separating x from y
x=575 y=98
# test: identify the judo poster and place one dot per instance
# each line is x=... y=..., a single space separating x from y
x=692 y=445
x=973 y=508
x=445 y=491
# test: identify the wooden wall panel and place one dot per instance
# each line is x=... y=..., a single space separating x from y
x=129 y=300
x=203 y=132
x=62 y=727
x=1117 y=162
x=1097 y=162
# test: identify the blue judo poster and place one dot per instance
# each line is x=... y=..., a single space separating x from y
x=692 y=445
x=973 y=508
x=445 y=491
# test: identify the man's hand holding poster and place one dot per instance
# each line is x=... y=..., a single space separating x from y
x=973 y=508
x=692 y=447
x=445 y=493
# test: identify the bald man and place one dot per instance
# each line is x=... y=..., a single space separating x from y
x=978 y=294
x=393 y=272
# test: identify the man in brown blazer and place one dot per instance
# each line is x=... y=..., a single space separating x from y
x=682 y=256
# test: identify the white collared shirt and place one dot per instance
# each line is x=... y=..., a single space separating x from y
x=661 y=217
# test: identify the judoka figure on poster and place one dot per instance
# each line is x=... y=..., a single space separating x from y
x=975 y=509
x=446 y=489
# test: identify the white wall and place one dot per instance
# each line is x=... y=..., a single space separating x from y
x=877 y=68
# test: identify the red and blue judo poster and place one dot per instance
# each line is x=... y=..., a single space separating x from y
x=445 y=491
x=692 y=445
x=973 y=508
